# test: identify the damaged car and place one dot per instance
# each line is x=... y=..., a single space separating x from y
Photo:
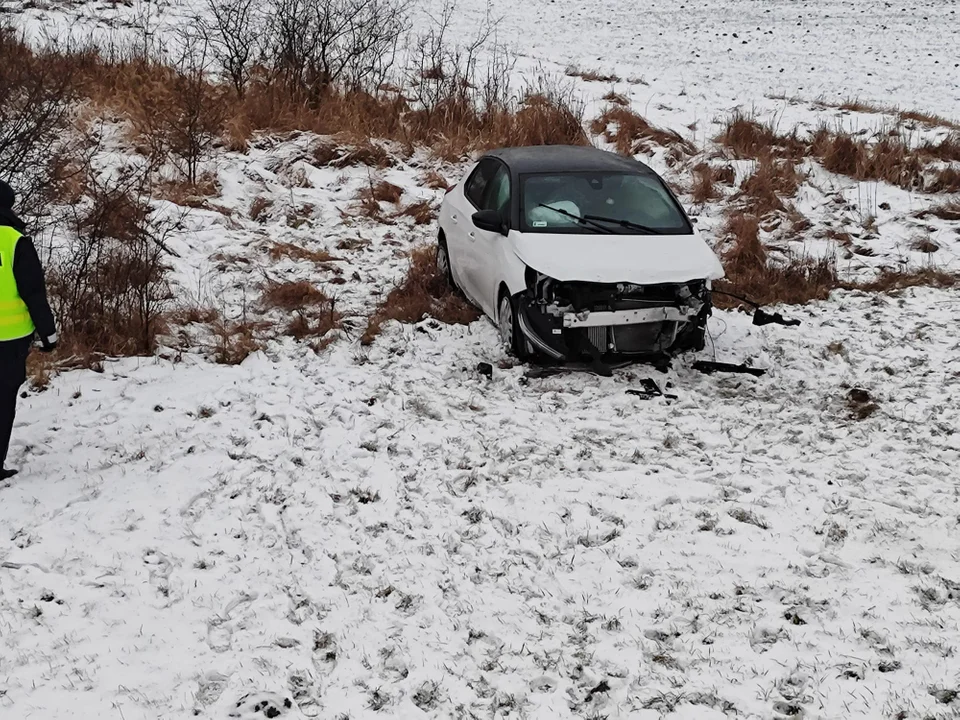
x=577 y=254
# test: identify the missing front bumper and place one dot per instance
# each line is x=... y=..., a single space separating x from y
x=630 y=333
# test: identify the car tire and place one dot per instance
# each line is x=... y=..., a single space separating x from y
x=511 y=338
x=443 y=262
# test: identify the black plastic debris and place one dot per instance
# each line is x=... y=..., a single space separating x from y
x=709 y=367
x=485 y=369
x=761 y=317
x=650 y=389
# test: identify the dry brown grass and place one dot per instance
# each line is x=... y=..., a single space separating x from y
x=291 y=296
x=945 y=180
x=924 y=244
x=422 y=212
x=591 y=75
x=374 y=193
x=234 y=342
x=918 y=116
x=434 y=180
x=632 y=134
x=259 y=208
x=424 y=292
x=888 y=159
x=706 y=179
x=763 y=192
x=747 y=138
x=615 y=98
x=281 y=250
x=892 y=280
x=946 y=150
x=946 y=211
x=187 y=194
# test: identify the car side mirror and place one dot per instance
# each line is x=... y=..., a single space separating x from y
x=490 y=221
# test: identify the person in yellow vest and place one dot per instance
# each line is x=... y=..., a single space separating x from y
x=24 y=313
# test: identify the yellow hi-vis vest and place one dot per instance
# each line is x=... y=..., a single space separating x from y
x=15 y=321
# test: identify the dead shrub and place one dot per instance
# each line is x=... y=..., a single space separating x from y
x=946 y=211
x=314 y=325
x=326 y=154
x=704 y=187
x=860 y=404
x=751 y=273
x=234 y=341
x=772 y=180
x=108 y=285
x=187 y=194
x=291 y=296
x=947 y=150
x=281 y=250
x=367 y=153
x=423 y=292
x=923 y=244
x=383 y=191
x=888 y=159
x=422 y=212
x=37 y=95
x=435 y=181
x=592 y=75
x=747 y=138
x=632 y=134
x=259 y=208
x=945 y=180
x=794 y=281
x=376 y=192
x=892 y=280
x=615 y=98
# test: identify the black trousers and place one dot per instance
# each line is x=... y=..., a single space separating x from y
x=13 y=371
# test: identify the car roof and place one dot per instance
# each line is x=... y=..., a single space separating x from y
x=566 y=158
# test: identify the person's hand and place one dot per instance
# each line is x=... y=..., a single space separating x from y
x=48 y=344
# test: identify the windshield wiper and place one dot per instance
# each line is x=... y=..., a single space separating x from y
x=586 y=220
x=625 y=223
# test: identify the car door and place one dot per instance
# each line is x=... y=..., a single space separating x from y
x=464 y=201
x=487 y=246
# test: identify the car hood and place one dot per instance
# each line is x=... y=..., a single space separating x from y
x=638 y=259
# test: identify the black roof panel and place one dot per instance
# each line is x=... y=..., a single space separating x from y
x=566 y=158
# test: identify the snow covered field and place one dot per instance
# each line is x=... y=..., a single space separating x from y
x=383 y=532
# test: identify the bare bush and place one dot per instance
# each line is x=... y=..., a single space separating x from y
x=234 y=31
x=37 y=94
x=317 y=44
x=109 y=287
x=772 y=180
x=632 y=134
x=424 y=292
x=746 y=137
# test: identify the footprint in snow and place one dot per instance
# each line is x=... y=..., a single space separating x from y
x=256 y=706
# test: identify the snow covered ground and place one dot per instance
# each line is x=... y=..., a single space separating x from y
x=384 y=532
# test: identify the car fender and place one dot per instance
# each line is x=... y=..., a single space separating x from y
x=513 y=269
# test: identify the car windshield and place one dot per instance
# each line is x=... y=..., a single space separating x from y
x=623 y=203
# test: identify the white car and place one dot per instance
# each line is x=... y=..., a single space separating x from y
x=577 y=254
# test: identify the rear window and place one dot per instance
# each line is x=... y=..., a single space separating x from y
x=548 y=201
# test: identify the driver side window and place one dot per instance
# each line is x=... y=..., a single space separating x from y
x=479 y=181
x=498 y=193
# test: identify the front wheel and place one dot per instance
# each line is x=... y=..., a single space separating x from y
x=443 y=262
x=511 y=338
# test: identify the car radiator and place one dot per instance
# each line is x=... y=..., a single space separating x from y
x=633 y=339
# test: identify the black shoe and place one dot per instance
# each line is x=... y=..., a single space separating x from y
x=7 y=474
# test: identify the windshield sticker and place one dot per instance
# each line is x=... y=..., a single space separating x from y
x=539 y=223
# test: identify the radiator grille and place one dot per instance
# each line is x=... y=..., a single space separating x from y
x=644 y=337
x=598 y=337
